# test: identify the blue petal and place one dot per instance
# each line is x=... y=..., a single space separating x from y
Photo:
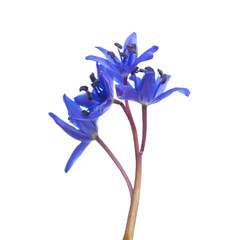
x=100 y=109
x=160 y=87
x=184 y=91
x=108 y=57
x=107 y=84
x=137 y=81
x=103 y=61
x=70 y=130
x=147 y=87
x=147 y=55
x=77 y=118
x=95 y=112
x=126 y=92
x=75 y=155
x=74 y=109
x=132 y=39
x=82 y=100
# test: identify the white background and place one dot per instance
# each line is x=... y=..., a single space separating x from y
x=191 y=167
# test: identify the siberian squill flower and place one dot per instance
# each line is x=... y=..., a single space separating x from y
x=99 y=100
x=128 y=58
x=148 y=90
x=84 y=130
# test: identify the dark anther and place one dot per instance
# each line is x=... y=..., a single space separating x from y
x=86 y=113
x=83 y=88
x=112 y=55
x=92 y=77
x=149 y=69
x=89 y=95
x=95 y=83
x=131 y=48
x=142 y=70
x=160 y=72
x=118 y=45
x=123 y=55
x=135 y=70
x=164 y=79
x=132 y=51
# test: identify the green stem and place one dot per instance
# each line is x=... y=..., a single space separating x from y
x=130 y=226
x=117 y=163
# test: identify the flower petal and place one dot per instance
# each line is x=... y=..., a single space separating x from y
x=132 y=39
x=126 y=92
x=160 y=87
x=74 y=109
x=79 y=119
x=100 y=109
x=70 y=130
x=83 y=100
x=147 y=87
x=108 y=57
x=184 y=91
x=75 y=155
x=147 y=55
x=103 y=61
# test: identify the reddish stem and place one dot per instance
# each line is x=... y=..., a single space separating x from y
x=130 y=226
x=117 y=163
x=122 y=105
x=144 y=128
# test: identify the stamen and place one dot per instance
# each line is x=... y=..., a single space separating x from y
x=160 y=72
x=135 y=70
x=112 y=55
x=132 y=51
x=142 y=70
x=164 y=79
x=95 y=83
x=85 y=113
x=123 y=55
x=131 y=48
x=89 y=95
x=83 y=88
x=118 y=45
x=92 y=77
x=149 y=69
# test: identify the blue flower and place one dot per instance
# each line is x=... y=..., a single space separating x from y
x=128 y=58
x=148 y=90
x=83 y=130
x=100 y=99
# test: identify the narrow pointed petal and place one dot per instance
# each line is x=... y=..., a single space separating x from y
x=160 y=87
x=132 y=39
x=82 y=100
x=74 y=109
x=147 y=87
x=99 y=110
x=184 y=91
x=137 y=81
x=126 y=92
x=76 y=154
x=108 y=57
x=70 y=130
x=147 y=55
x=103 y=61
x=107 y=83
